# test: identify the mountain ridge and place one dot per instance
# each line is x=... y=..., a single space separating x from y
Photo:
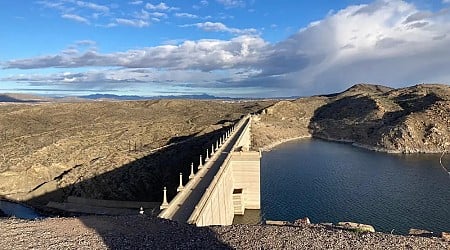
x=405 y=120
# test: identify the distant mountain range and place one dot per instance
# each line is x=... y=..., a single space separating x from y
x=25 y=98
x=136 y=97
x=22 y=98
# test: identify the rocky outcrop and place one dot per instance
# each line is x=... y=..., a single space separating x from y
x=356 y=227
x=445 y=236
x=420 y=232
x=406 y=120
x=409 y=120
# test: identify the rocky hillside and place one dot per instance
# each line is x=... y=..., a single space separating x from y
x=407 y=120
x=285 y=120
x=106 y=150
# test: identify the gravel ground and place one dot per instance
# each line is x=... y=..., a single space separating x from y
x=318 y=237
x=144 y=232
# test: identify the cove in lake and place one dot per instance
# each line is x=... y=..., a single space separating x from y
x=12 y=209
x=332 y=182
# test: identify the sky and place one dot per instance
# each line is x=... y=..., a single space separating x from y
x=236 y=48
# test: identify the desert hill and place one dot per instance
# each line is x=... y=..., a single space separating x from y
x=21 y=98
x=407 y=120
x=130 y=150
x=107 y=150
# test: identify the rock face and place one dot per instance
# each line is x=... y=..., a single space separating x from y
x=407 y=120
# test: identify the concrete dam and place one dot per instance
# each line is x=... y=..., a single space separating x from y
x=227 y=182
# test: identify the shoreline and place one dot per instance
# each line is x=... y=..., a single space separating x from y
x=270 y=146
x=279 y=142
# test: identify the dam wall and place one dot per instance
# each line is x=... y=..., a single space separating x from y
x=236 y=186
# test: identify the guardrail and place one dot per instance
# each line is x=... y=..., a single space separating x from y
x=209 y=191
x=180 y=197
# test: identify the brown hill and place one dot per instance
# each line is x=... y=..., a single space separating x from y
x=407 y=120
x=106 y=150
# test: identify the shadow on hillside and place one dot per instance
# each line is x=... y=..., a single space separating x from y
x=140 y=180
x=343 y=118
x=356 y=118
x=411 y=104
x=6 y=98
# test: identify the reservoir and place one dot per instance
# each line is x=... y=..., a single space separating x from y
x=12 y=209
x=332 y=182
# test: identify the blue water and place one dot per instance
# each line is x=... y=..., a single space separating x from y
x=12 y=209
x=332 y=182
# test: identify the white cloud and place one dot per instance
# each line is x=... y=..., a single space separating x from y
x=75 y=18
x=92 y=6
x=369 y=43
x=85 y=43
x=186 y=15
x=142 y=15
x=220 y=27
x=386 y=42
x=232 y=3
x=203 y=3
x=158 y=14
x=132 y=22
x=161 y=7
x=53 y=5
x=204 y=55
x=136 y=2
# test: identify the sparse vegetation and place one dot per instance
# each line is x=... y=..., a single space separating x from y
x=407 y=120
x=109 y=150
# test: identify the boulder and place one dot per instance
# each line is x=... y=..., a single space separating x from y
x=420 y=232
x=277 y=222
x=303 y=221
x=357 y=227
x=445 y=236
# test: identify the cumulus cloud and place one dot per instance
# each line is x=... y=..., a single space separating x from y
x=379 y=47
x=386 y=42
x=204 y=55
x=160 y=7
x=76 y=18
